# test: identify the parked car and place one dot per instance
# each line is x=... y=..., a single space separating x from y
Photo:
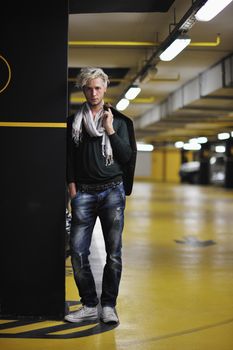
x=217 y=169
x=189 y=172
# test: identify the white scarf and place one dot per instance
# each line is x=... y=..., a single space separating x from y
x=94 y=128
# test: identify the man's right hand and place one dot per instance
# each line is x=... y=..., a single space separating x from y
x=72 y=190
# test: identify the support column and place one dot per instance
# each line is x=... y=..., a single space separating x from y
x=229 y=164
x=204 y=175
x=33 y=109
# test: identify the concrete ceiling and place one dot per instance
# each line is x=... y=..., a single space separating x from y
x=192 y=95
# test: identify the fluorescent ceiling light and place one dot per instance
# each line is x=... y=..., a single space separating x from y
x=192 y=146
x=210 y=9
x=175 y=48
x=202 y=139
x=231 y=133
x=194 y=140
x=122 y=104
x=179 y=144
x=220 y=149
x=199 y=140
x=223 y=136
x=144 y=147
x=132 y=92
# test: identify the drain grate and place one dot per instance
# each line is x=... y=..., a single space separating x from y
x=194 y=242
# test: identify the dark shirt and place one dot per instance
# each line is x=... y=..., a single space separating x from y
x=85 y=162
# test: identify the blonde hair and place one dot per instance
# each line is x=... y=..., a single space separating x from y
x=90 y=73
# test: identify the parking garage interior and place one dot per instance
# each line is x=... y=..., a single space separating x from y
x=176 y=290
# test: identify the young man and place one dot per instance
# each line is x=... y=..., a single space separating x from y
x=101 y=154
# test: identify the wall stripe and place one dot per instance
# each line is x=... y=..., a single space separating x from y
x=32 y=125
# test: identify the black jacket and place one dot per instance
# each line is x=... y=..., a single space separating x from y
x=128 y=168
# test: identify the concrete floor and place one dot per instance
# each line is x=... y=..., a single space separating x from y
x=177 y=284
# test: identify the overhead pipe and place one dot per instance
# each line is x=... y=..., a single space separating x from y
x=206 y=43
x=112 y=43
x=146 y=100
x=125 y=80
x=137 y=43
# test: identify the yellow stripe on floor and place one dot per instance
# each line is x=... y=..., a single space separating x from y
x=74 y=330
x=30 y=327
x=6 y=321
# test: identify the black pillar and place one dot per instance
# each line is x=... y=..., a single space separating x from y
x=33 y=109
x=229 y=164
x=204 y=157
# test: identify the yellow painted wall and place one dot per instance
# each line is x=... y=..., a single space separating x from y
x=172 y=165
x=158 y=165
x=165 y=166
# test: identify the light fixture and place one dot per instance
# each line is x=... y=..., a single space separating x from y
x=199 y=140
x=144 y=147
x=179 y=144
x=192 y=146
x=210 y=9
x=220 y=149
x=175 y=48
x=122 y=104
x=223 y=136
x=231 y=133
x=202 y=139
x=133 y=91
x=193 y=140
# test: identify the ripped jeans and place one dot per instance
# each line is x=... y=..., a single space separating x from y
x=109 y=206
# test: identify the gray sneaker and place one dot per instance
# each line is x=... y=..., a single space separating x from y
x=109 y=315
x=83 y=314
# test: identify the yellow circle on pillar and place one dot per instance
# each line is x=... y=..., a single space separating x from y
x=5 y=84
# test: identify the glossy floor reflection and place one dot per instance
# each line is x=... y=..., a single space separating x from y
x=177 y=284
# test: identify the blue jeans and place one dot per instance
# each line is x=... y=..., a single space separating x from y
x=109 y=206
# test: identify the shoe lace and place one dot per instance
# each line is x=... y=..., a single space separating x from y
x=85 y=308
x=109 y=311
